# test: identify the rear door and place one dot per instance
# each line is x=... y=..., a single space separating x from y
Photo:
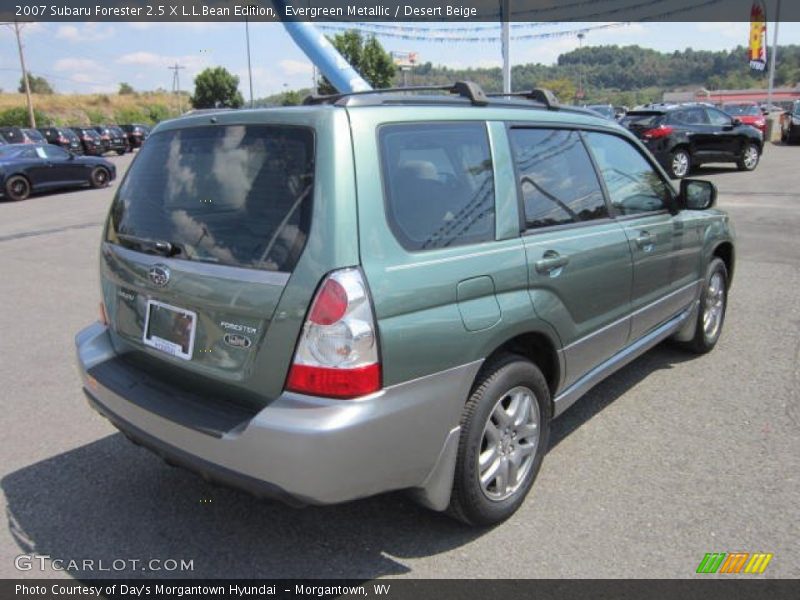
x=579 y=262
x=663 y=248
x=205 y=235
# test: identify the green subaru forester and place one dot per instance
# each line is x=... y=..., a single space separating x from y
x=390 y=291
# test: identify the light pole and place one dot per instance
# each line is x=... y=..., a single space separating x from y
x=580 y=93
x=772 y=58
x=249 y=67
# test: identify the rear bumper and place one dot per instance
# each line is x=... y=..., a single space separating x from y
x=303 y=449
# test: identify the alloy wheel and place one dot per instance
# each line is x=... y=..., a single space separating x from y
x=714 y=307
x=509 y=443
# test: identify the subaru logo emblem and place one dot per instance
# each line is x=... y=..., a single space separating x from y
x=158 y=275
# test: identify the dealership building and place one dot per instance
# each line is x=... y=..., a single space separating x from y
x=779 y=95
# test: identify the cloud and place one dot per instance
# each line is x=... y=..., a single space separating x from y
x=192 y=62
x=729 y=30
x=89 y=32
x=76 y=64
x=295 y=67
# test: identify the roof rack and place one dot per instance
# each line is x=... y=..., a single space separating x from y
x=465 y=89
x=541 y=95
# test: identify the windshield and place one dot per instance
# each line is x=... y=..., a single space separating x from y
x=235 y=195
x=737 y=110
x=11 y=150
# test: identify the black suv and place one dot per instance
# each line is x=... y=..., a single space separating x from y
x=683 y=136
x=112 y=138
x=90 y=139
x=12 y=135
x=64 y=137
x=137 y=134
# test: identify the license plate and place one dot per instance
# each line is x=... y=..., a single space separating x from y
x=170 y=329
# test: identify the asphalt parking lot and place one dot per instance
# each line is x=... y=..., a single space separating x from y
x=672 y=457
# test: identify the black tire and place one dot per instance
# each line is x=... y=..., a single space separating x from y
x=469 y=501
x=17 y=188
x=745 y=162
x=680 y=163
x=703 y=341
x=120 y=152
x=99 y=177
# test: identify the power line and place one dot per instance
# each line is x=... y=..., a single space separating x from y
x=176 y=84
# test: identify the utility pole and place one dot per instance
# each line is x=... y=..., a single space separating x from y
x=772 y=58
x=505 y=24
x=176 y=85
x=25 y=82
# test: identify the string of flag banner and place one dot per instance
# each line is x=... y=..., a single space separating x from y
x=425 y=37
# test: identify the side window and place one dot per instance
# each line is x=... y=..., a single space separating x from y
x=438 y=183
x=633 y=185
x=717 y=118
x=55 y=152
x=559 y=184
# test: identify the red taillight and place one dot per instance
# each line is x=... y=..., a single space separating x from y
x=330 y=305
x=657 y=132
x=760 y=123
x=63 y=140
x=337 y=353
x=86 y=138
x=334 y=383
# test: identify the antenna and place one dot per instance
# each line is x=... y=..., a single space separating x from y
x=176 y=84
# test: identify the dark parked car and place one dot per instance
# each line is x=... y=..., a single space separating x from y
x=604 y=110
x=33 y=136
x=27 y=168
x=790 y=124
x=682 y=136
x=114 y=141
x=64 y=137
x=12 y=135
x=90 y=140
x=136 y=133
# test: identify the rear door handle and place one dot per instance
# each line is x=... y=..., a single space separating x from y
x=551 y=263
x=645 y=241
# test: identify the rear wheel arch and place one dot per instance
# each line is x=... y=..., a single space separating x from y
x=539 y=349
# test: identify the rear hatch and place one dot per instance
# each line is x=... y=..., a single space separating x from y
x=201 y=241
x=640 y=121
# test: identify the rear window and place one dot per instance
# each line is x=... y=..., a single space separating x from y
x=235 y=195
x=647 y=120
x=438 y=183
x=736 y=110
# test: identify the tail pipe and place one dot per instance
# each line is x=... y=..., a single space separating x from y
x=321 y=52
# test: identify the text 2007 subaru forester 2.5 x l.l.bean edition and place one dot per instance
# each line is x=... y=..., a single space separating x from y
x=381 y=292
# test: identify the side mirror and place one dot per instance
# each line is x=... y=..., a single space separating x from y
x=736 y=122
x=697 y=194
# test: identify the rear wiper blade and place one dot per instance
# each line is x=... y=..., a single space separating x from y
x=164 y=248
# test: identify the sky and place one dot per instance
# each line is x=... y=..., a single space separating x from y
x=96 y=57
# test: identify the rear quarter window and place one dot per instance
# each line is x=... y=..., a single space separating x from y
x=438 y=183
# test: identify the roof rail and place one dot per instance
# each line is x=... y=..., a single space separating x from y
x=465 y=89
x=541 y=95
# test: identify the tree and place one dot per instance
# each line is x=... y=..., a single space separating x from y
x=367 y=57
x=217 y=88
x=38 y=85
x=291 y=98
x=18 y=117
x=126 y=89
x=564 y=89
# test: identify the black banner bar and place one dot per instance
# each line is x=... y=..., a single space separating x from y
x=735 y=588
x=387 y=11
